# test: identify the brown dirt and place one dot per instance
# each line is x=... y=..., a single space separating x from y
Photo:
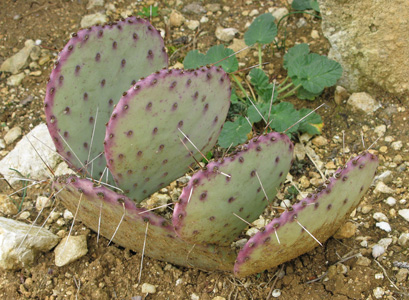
x=110 y=272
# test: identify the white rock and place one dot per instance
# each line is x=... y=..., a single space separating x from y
x=259 y=223
x=285 y=203
x=279 y=12
x=315 y=34
x=404 y=213
x=299 y=151
x=385 y=177
x=226 y=34
x=240 y=243
x=24 y=215
x=70 y=251
x=276 y=293
x=403 y=239
x=385 y=242
x=7 y=207
x=390 y=201
x=15 y=80
x=25 y=159
x=384 y=226
x=63 y=169
x=148 y=288
x=17 y=249
x=378 y=292
x=204 y=19
x=363 y=102
x=93 y=19
x=42 y=202
x=176 y=19
x=377 y=250
x=383 y=188
x=340 y=94
x=194 y=297
x=192 y=24
x=301 y=22
x=252 y=231
x=2 y=144
x=19 y=60
x=397 y=145
x=379 y=276
x=12 y=135
x=254 y=12
x=94 y=3
x=68 y=215
x=380 y=130
x=378 y=216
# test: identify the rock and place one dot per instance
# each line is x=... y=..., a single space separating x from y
x=390 y=201
x=319 y=141
x=176 y=19
x=367 y=39
x=385 y=177
x=252 y=231
x=377 y=250
x=24 y=159
x=340 y=94
x=385 y=242
x=383 y=188
x=42 y=202
x=315 y=34
x=404 y=213
x=7 y=207
x=20 y=243
x=240 y=243
x=148 y=288
x=404 y=239
x=2 y=144
x=346 y=231
x=259 y=223
x=254 y=12
x=402 y=275
x=194 y=296
x=380 y=130
x=237 y=45
x=276 y=293
x=70 y=249
x=213 y=7
x=363 y=102
x=12 y=135
x=204 y=19
x=93 y=19
x=378 y=292
x=278 y=12
x=194 y=8
x=384 y=226
x=24 y=215
x=192 y=24
x=363 y=261
x=35 y=53
x=68 y=215
x=19 y=60
x=226 y=34
x=299 y=151
x=63 y=169
x=301 y=22
x=15 y=80
x=94 y=3
x=397 y=145
x=378 y=216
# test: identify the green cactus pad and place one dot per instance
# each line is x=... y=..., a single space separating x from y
x=161 y=243
x=321 y=214
x=206 y=208
x=142 y=145
x=92 y=71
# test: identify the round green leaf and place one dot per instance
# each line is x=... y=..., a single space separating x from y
x=234 y=133
x=263 y=30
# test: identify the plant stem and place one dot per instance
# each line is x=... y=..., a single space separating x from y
x=296 y=12
x=259 y=56
x=240 y=86
x=285 y=88
x=281 y=84
x=290 y=93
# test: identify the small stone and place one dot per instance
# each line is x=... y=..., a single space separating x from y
x=35 y=73
x=319 y=141
x=254 y=12
x=148 y=288
x=192 y=24
x=299 y=151
x=219 y=298
x=285 y=203
x=278 y=12
x=378 y=216
x=15 y=80
x=194 y=297
x=213 y=7
x=385 y=177
x=402 y=201
x=383 y=188
x=42 y=202
x=68 y=215
x=390 y=201
x=384 y=226
x=340 y=95
x=2 y=144
x=378 y=292
x=377 y=250
x=176 y=19
x=315 y=34
x=239 y=44
x=7 y=207
x=240 y=243
x=93 y=19
x=35 y=53
x=404 y=213
x=24 y=215
x=380 y=130
x=383 y=149
x=346 y=231
x=194 y=8
x=183 y=180
x=226 y=34
x=389 y=139
x=397 y=145
x=330 y=165
x=385 y=242
x=402 y=275
x=304 y=182
x=259 y=223
x=404 y=239
x=63 y=169
x=71 y=250
x=94 y=3
x=398 y=159
x=19 y=60
x=252 y=231
x=379 y=276
x=43 y=60
x=363 y=102
x=363 y=261
x=276 y=293
x=301 y=22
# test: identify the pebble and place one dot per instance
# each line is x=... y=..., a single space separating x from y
x=385 y=177
x=176 y=19
x=299 y=151
x=219 y=298
x=68 y=215
x=194 y=8
x=363 y=261
x=148 y=288
x=94 y=3
x=377 y=250
x=239 y=44
x=24 y=215
x=304 y=182
x=240 y=243
x=397 y=145
x=12 y=135
x=67 y=252
x=19 y=60
x=301 y=22
x=278 y=12
x=42 y=202
x=213 y=7
x=378 y=216
x=252 y=231
x=363 y=102
x=35 y=73
x=383 y=188
x=14 y=253
x=254 y=12
x=35 y=53
x=379 y=276
x=404 y=213
x=384 y=226
x=398 y=159
x=346 y=231
x=7 y=207
x=378 y=292
x=403 y=239
x=15 y=80
x=192 y=24
x=43 y=60
x=285 y=203
x=390 y=201
x=226 y=34
x=385 y=242
x=340 y=94
x=194 y=297
x=276 y=293
x=380 y=130
x=2 y=144
x=315 y=34
x=319 y=141
x=93 y=19
x=402 y=275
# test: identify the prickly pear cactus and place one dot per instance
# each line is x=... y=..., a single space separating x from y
x=92 y=71
x=143 y=145
x=142 y=142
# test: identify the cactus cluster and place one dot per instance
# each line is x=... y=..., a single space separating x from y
x=119 y=116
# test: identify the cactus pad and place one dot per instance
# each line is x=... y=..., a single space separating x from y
x=206 y=208
x=142 y=145
x=321 y=214
x=92 y=71
x=161 y=242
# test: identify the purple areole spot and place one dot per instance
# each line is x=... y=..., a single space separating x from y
x=66 y=134
x=52 y=90
x=120 y=156
x=258 y=148
x=266 y=240
x=225 y=225
x=91 y=120
x=98 y=57
x=221 y=79
x=165 y=174
x=164 y=162
x=277 y=159
x=361 y=189
x=86 y=37
x=145 y=168
x=135 y=185
x=362 y=166
x=100 y=33
x=216 y=119
x=241 y=209
x=110 y=102
x=133 y=82
x=85 y=145
x=129 y=172
x=291 y=147
x=195 y=182
x=259 y=190
x=180 y=124
x=147 y=179
x=149 y=106
x=281 y=174
x=61 y=79
x=345 y=178
x=206 y=107
x=135 y=36
x=139 y=153
x=212 y=218
x=70 y=47
x=161 y=147
x=253 y=173
x=195 y=95
x=203 y=196
x=174 y=106
x=123 y=63
x=85 y=96
x=129 y=133
x=329 y=206
x=150 y=54
x=155 y=130
x=195 y=232
x=77 y=69
x=204 y=98
x=172 y=85
x=103 y=82
x=114 y=45
x=68 y=153
x=241 y=159
x=209 y=76
x=345 y=200
x=188 y=82
x=67 y=110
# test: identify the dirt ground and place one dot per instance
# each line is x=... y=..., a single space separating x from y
x=110 y=272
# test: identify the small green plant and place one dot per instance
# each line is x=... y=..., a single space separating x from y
x=305 y=5
x=308 y=75
x=151 y=11
x=24 y=190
